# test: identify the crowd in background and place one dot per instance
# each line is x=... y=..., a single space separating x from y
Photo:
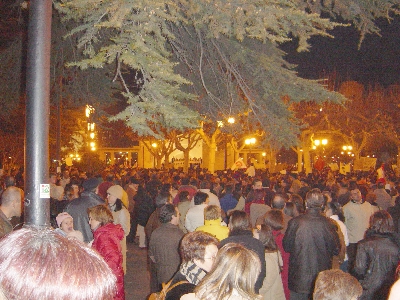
x=202 y=231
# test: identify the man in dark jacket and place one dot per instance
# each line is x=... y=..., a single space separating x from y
x=312 y=240
x=78 y=207
x=164 y=244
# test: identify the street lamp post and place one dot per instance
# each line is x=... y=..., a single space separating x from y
x=154 y=145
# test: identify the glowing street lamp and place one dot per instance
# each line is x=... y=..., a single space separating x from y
x=231 y=120
x=250 y=141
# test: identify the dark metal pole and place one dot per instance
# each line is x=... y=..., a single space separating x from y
x=37 y=194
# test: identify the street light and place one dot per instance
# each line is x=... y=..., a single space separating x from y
x=250 y=141
x=231 y=120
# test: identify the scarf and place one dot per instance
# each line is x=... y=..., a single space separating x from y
x=192 y=272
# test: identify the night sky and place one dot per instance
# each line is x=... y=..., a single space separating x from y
x=377 y=61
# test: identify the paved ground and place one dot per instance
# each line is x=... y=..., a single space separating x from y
x=137 y=278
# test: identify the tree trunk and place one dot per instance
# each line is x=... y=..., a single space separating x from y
x=299 y=160
x=186 y=160
x=307 y=160
x=211 y=156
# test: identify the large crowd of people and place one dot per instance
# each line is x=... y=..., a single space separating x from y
x=229 y=235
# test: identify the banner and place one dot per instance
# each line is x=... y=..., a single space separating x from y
x=364 y=164
x=239 y=164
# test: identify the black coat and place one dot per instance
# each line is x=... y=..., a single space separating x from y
x=245 y=238
x=376 y=262
x=77 y=208
x=312 y=240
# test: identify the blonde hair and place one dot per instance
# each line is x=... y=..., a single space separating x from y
x=212 y=212
x=235 y=269
x=101 y=213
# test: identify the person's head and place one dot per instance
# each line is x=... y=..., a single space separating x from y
x=267 y=238
x=355 y=196
x=370 y=198
x=205 y=184
x=274 y=219
x=134 y=183
x=11 y=202
x=162 y=199
x=114 y=193
x=298 y=201
x=239 y=220
x=278 y=201
x=65 y=222
x=291 y=209
x=229 y=188
x=57 y=192
x=9 y=181
x=91 y=185
x=257 y=184
x=76 y=187
x=41 y=264
x=99 y=215
x=200 y=198
x=53 y=178
x=381 y=222
x=212 y=212
x=333 y=208
x=169 y=214
x=183 y=196
x=199 y=247
x=381 y=185
x=315 y=199
x=336 y=284
x=65 y=174
x=236 y=268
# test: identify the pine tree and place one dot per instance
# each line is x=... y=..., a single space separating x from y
x=211 y=58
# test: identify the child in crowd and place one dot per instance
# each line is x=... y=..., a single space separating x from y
x=66 y=226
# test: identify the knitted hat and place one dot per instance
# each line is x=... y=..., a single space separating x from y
x=116 y=191
x=90 y=184
x=103 y=187
x=61 y=217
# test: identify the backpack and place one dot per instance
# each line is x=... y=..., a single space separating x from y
x=165 y=289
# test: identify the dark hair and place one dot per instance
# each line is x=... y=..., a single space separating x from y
x=239 y=220
x=118 y=205
x=200 y=198
x=205 y=184
x=193 y=245
x=291 y=209
x=229 y=188
x=298 y=201
x=166 y=213
x=267 y=238
x=274 y=219
x=162 y=199
x=185 y=180
x=183 y=196
x=336 y=209
x=381 y=222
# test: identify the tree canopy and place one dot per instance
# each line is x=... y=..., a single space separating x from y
x=211 y=59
